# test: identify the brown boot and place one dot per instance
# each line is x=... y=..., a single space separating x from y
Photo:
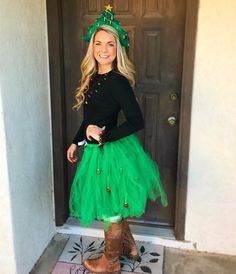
x=129 y=248
x=109 y=262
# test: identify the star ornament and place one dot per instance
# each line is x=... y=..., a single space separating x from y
x=108 y=7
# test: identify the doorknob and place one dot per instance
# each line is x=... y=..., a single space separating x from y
x=171 y=121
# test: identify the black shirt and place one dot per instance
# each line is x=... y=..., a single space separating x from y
x=108 y=94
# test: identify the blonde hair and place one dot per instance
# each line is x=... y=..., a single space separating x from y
x=121 y=64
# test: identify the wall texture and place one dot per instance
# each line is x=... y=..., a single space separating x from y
x=7 y=262
x=211 y=221
x=26 y=199
x=26 y=180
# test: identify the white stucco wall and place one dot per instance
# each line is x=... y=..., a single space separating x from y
x=26 y=198
x=211 y=221
x=6 y=238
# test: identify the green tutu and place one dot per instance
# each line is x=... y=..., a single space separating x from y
x=114 y=179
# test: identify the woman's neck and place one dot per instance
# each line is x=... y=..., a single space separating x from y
x=102 y=70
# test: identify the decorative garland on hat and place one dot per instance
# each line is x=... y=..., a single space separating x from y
x=107 y=18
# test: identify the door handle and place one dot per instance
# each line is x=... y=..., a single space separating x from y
x=171 y=121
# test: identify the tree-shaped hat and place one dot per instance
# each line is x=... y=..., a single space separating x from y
x=107 y=18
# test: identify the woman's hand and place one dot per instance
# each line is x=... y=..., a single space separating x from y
x=93 y=131
x=71 y=153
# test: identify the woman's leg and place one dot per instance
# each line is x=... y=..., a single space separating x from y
x=109 y=261
x=129 y=248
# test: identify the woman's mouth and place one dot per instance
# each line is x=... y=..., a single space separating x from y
x=104 y=56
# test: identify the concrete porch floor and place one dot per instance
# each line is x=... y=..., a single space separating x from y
x=176 y=261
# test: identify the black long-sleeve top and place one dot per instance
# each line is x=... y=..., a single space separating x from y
x=107 y=95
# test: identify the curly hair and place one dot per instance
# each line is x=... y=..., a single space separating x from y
x=89 y=65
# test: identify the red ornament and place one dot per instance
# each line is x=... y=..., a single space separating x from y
x=108 y=189
x=126 y=205
x=101 y=137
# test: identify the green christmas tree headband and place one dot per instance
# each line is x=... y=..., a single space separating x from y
x=107 y=18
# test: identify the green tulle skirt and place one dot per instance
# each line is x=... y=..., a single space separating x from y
x=115 y=179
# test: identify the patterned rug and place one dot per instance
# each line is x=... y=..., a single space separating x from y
x=79 y=248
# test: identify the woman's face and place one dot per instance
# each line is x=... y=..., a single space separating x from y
x=104 y=49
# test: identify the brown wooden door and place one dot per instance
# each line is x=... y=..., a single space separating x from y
x=156 y=31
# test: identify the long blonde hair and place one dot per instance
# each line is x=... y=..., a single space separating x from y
x=121 y=64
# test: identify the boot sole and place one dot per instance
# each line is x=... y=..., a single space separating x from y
x=113 y=272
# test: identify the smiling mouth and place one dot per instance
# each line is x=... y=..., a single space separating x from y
x=104 y=56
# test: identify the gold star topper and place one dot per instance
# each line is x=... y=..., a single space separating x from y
x=108 y=7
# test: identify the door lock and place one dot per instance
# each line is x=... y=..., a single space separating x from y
x=174 y=96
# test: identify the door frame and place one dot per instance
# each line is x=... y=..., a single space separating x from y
x=57 y=88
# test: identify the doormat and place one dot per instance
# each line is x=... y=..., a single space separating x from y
x=79 y=248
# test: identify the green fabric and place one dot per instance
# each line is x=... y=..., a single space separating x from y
x=109 y=220
x=124 y=167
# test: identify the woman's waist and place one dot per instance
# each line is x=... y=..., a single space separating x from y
x=107 y=125
x=102 y=123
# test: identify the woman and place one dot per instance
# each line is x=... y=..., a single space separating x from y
x=115 y=176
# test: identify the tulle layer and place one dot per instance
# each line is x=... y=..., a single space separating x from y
x=115 y=179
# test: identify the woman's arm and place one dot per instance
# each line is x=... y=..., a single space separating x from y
x=124 y=95
x=80 y=135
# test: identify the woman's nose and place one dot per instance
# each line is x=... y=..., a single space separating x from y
x=104 y=48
